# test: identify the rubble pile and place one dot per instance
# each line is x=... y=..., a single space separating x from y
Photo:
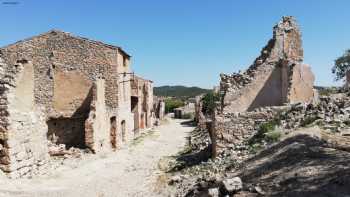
x=331 y=113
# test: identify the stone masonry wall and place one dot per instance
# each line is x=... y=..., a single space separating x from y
x=23 y=144
x=70 y=90
x=235 y=128
x=276 y=77
x=62 y=89
x=97 y=126
x=58 y=52
x=143 y=90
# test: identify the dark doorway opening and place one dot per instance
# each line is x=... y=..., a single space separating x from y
x=135 y=111
x=68 y=131
x=113 y=133
x=123 y=130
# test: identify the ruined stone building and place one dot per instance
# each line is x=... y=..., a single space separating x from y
x=276 y=78
x=64 y=89
x=142 y=103
x=159 y=107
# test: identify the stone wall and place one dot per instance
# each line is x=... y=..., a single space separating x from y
x=98 y=127
x=125 y=118
x=159 y=107
x=276 y=77
x=200 y=118
x=143 y=91
x=23 y=145
x=57 y=56
x=235 y=128
x=66 y=89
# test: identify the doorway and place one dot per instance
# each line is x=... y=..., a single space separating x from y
x=123 y=131
x=113 y=132
x=135 y=111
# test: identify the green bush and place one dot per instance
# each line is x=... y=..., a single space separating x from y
x=272 y=136
x=171 y=104
x=209 y=102
x=266 y=132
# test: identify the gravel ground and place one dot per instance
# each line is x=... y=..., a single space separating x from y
x=131 y=171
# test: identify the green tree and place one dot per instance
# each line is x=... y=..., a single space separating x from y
x=171 y=104
x=209 y=102
x=341 y=65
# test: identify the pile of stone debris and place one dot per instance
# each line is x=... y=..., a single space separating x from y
x=60 y=150
x=197 y=174
x=194 y=171
x=331 y=113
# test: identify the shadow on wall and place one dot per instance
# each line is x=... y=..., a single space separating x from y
x=70 y=130
x=271 y=93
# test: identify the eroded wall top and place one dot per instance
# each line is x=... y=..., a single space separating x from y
x=269 y=80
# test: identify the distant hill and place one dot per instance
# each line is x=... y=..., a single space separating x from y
x=179 y=91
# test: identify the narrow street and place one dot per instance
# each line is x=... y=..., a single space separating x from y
x=131 y=171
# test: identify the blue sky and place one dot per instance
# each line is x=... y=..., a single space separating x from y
x=187 y=42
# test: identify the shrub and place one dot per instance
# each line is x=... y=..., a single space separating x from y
x=272 y=136
x=209 y=102
x=266 y=132
x=171 y=104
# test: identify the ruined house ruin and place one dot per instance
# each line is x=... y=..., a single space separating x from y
x=142 y=103
x=276 y=78
x=64 y=89
x=159 y=107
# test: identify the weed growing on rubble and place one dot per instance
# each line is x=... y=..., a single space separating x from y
x=267 y=133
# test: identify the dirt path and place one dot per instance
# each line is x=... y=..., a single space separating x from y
x=131 y=171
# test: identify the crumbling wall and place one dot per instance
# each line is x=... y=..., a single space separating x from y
x=301 y=88
x=23 y=145
x=143 y=90
x=158 y=109
x=276 y=77
x=97 y=126
x=200 y=118
x=124 y=116
x=235 y=128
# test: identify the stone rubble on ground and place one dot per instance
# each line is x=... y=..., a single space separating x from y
x=226 y=133
x=233 y=184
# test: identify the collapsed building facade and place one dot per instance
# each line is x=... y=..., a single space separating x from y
x=276 y=78
x=64 y=89
x=142 y=103
x=159 y=108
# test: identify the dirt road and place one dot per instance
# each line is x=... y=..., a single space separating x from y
x=131 y=171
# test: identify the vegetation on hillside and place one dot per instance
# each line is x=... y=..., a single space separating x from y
x=179 y=91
